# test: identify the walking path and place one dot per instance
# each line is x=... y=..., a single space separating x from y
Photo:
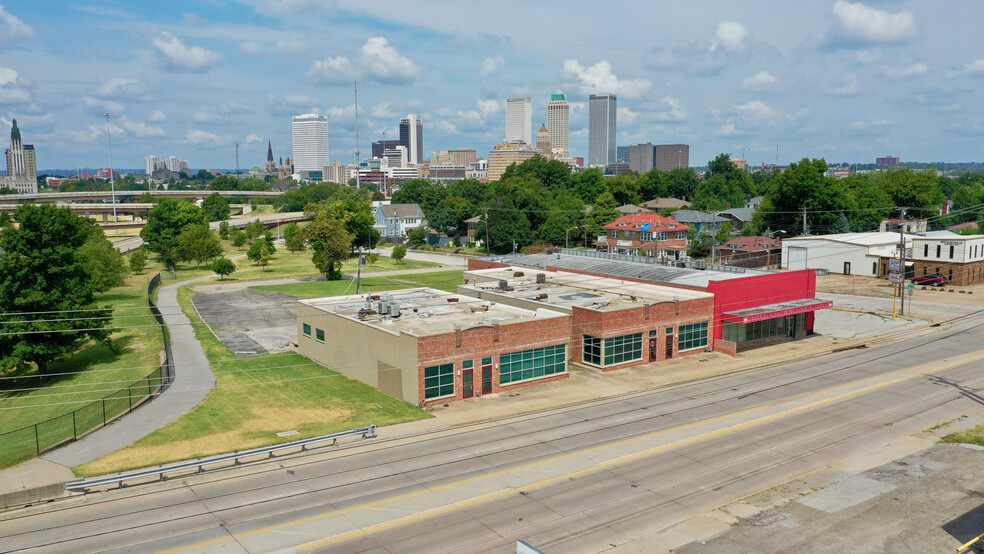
x=193 y=380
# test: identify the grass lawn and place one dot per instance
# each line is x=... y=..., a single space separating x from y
x=443 y=280
x=93 y=372
x=283 y=392
x=298 y=264
x=974 y=435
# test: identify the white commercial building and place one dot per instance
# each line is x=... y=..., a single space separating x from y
x=845 y=253
x=519 y=120
x=173 y=163
x=559 y=125
x=310 y=134
x=152 y=164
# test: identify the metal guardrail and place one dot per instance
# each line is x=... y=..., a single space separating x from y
x=199 y=465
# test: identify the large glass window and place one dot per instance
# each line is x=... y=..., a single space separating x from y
x=592 y=350
x=307 y=329
x=319 y=335
x=438 y=381
x=530 y=364
x=692 y=336
x=626 y=348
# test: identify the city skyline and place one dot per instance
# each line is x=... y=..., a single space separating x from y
x=849 y=81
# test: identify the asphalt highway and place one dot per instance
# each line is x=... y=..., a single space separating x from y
x=578 y=479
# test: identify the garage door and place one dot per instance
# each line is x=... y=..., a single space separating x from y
x=797 y=258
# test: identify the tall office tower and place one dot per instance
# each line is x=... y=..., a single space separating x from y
x=559 y=125
x=172 y=163
x=462 y=156
x=519 y=121
x=152 y=164
x=380 y=145
x=668 y=157
x=601 y=129
x=622 y=153
x=412 y=137
x=22 y=166
x=310 y=133
x=543 y=144
x=439 y=157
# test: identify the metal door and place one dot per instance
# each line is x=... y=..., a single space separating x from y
x=467 y=387
x=486 y=375
x=669 y=346
x=797 y=258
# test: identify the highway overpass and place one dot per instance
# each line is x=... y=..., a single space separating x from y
x=125 y=195
x=106 y=210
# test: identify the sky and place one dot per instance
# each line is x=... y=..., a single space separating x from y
x=846 y=81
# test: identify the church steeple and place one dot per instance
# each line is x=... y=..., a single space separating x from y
x=269 y=151
x=14 y=132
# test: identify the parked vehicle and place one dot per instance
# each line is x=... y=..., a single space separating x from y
x=931 y=279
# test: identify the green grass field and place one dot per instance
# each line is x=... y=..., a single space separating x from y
x=442 y=280
x=974 y=435
x=256 y=398
x=298 y=264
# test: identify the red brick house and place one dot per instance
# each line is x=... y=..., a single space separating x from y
x=648 y=235
x=749 y=252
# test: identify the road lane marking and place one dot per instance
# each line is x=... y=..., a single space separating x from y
x=889 y=379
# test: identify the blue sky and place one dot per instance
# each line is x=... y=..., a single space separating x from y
x=836 y=79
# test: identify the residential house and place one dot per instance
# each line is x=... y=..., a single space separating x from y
x=738 y=217
x=750 y=252
x=663 y=203
x=629 y=209
x=648 y=235
x=394 y=221
x=474 y=235
x=701 y=221
x=908 y=225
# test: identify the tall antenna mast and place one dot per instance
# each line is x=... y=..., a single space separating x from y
x=358 y=158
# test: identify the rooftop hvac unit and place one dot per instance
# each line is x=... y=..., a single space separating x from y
x=541 y=278
x=383 y=307
x=518 y=273
x=503 y=284
x=394 y=310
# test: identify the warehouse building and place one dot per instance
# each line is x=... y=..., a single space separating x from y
x=431 y=347
x=864 y=254
x=959 y=258
x=615 y=323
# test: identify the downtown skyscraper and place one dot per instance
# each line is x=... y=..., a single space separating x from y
x=519 y=121
x=412 y=138
x=601 y=129
x=310 y=134
x=559 y=125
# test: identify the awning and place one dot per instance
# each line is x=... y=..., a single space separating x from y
x=772 y=311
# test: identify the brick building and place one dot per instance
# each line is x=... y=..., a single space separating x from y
x=429 y=346
x=649 y=235
x=615 y=323
x=750 y=252
x=959 y=258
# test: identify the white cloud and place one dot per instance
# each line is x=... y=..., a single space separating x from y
x=252 y=47
x=487 y=107
x=599 y=78
x=95 y=133
x=728 y=130
x=868 y=56
x=283 y=46
x=873 y=25
x=13 y=88
x=758 y=111
x=289 y=7
x=975 y=67
x=493 y=65
x=12 y=28
x=445 y=126
x=139 y=129
x=197 y=136
x=382 y=111
x=760 y=82
x=179 y=57
x=914 y=70
x=121 y=88
x=698 y=58
x=332 y=71
x=158 y=116
x=867 y=127
x=253 y=138
x=848 y=86
x=7 y=75
x=385 y=64
x=672 y=110
x=220 y=114
x=730 y=35
x=626 y=115
x=104 y=105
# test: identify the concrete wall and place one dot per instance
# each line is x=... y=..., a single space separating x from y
x=830 y=255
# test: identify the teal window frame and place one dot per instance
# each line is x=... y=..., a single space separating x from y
x=306 y=329
x=692 y=336
x=623 y=349
x=319 y=335
x=438 y=381
x=592 y=350
x=532 y=364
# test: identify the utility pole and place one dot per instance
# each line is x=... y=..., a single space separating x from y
x=358 y=272
x=237 y=160
x=358 y=157
x=804 y=220
x=486 y=210
x=112 y=177
x=902 y=258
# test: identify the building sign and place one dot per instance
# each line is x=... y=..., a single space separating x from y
x=623 y=243
x=778 y=313
x=895 y=265
x=952 y=242
x=895 y=277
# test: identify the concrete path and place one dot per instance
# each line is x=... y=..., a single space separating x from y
x=192 y=382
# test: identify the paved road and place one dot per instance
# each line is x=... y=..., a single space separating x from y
x=192 y=383
x=610 y=473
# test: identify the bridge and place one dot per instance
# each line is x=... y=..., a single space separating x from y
x=106 y=210
x=128 y=195
x=269 y=221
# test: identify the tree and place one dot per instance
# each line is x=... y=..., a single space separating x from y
x=372 y=258
x=103 y=261
x=330 y=242
x=238 y=238
x=223 y=267
x=254 y=229
x=399 y=252
x=165 y=222
x=295 y=243
x=290 y=230
x=841 y=225
x=224 y=230
x=216 y=207
x=198 y=243
x=265 y=255
x=138 y=260
x=43 y=273
x=417 y=236
x=254 y=253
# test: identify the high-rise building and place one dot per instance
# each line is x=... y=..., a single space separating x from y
x=395 y=157
x=173 y=163
x=22 y=166
x=519 y=121
x=668 y=157
x=151 y=164
x=506 y=154
x=641 y=157
x=462 y=156
x=622 y=153
x=543 y=145
x=559 y=125
x=601 y=129
x=440 y=157
x=310 y=136
x=412 y=137
x=380 y=145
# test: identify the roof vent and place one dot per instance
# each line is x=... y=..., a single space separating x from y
x=541 y=278
x=503 y=284
x=518 y=274
x=453 y=299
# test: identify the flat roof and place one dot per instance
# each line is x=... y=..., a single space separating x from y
x=656 y=273
x=437 y=312
x=565 y=290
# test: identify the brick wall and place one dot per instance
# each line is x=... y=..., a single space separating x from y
x=963 y=273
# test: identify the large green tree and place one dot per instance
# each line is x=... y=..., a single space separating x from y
x=216 y=207
x=103 y=261
x=165 y=223
x=46 y=290
x=330 y=242
x=198 y=243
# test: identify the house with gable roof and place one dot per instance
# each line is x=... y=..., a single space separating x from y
x=649 y=235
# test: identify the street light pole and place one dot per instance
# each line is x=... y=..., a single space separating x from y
x=112 y=177
x=567 y=236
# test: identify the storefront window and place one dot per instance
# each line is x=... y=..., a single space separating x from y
x=692 y=336
x=530 y=364
x=439 y=381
